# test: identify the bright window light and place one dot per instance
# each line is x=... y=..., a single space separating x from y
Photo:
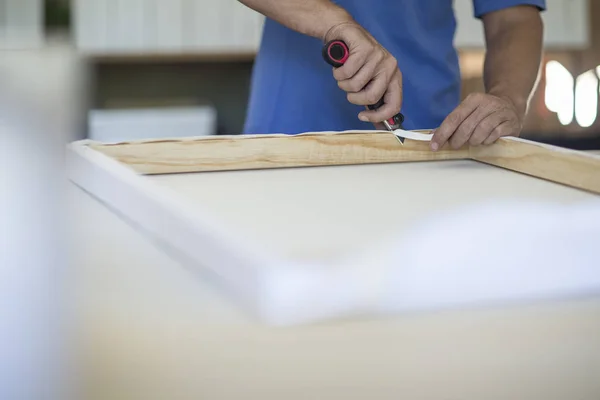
x=559 y=96
x=586 y=98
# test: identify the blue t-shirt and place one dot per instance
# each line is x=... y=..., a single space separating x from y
x=293 y=89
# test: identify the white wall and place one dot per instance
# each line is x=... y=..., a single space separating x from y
x=21 y=24
x=226 y=26
x=164 y=26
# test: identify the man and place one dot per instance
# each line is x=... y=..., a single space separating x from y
x=401 y=50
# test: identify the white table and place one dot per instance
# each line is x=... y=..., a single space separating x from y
x=151 y=329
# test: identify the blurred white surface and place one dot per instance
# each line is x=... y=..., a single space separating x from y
x=134 y=124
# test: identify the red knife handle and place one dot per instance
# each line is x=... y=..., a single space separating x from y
x=336 y=53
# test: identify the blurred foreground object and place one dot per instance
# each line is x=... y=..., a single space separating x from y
x=38 y=108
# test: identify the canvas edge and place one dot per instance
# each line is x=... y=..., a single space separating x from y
x=415 y=133
x=244 y=269
x=278 y=292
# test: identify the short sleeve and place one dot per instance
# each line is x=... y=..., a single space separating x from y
x=482 y=7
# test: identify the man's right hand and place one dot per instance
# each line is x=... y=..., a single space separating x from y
x=369 y=74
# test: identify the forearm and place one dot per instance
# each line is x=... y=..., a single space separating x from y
x=514 y=51
x=310 y=17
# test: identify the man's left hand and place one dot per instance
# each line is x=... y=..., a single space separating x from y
x=479 y=119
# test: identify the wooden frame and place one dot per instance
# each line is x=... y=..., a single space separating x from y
x=219 y=153
x=113 y=173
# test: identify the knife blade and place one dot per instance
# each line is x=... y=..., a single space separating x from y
x=412 y=135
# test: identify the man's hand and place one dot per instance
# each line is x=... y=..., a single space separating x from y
x=480 y=119
x=369 y=74
x=514 y=47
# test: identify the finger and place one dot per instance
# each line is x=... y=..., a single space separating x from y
x=486 y=127
x=451 y=123
x=372 y=93
x=375 y=90
x=360 y=79
x=467 y=127
x=354 y=63
x=504 y=129
x=392 y=102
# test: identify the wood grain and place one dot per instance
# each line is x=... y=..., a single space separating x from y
x=219 y=153
x=243 y=152
x=568 y=167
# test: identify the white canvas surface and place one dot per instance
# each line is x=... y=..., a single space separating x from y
x=403 y=237
x=493 y=254
x=307 y=244
x=322 y=214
